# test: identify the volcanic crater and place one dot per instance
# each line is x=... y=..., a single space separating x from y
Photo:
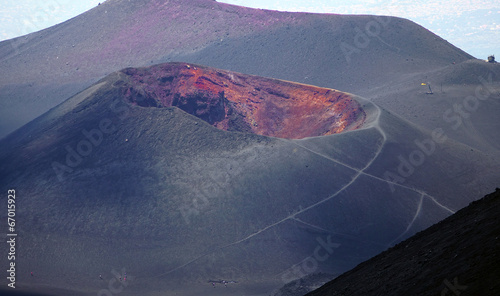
x=232 y=101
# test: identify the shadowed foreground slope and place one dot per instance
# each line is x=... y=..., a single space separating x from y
x=106 y=186
x=457 y=256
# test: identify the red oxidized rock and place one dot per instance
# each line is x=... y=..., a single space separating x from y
x=237 y=102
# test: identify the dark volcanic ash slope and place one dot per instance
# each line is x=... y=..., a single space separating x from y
x=105 y=185
x=42 y=69
x=457 y=256
x=466 y=96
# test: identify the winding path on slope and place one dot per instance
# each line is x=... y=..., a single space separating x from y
x=358 y=173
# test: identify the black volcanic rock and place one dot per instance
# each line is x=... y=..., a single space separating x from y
x=205 y=106
x=457 y=256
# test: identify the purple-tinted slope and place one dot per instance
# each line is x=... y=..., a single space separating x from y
x=42 y=69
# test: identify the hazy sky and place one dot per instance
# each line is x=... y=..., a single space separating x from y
x=472 y=25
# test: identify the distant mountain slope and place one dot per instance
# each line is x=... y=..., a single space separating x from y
x=457 y=256
x=465 y=99
x=350 y=53
x=105 y=186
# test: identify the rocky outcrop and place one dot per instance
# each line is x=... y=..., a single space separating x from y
x=237 y=102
